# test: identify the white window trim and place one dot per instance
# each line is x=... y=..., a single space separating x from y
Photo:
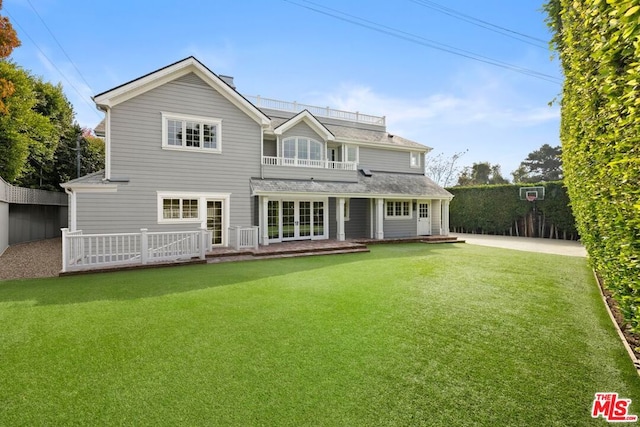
x=344 y=152
x=395 y=217
x=198 y=119
x=417 y=155
x=202 y=206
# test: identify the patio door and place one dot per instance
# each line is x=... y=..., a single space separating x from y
x=296 y=220
x=214 y=221
x=424 y=222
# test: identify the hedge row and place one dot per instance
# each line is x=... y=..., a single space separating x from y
x=599 y=46
x=497 y=209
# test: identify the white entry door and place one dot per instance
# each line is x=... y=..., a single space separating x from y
x=424 y=221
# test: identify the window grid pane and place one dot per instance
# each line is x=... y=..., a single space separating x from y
x=171 y=208
x=273 y=219
x=318 y=218
x=214 y=221
x=174 y=130
x=193 y=134
x=303 y=149
x=190 y=208
x=209 y=136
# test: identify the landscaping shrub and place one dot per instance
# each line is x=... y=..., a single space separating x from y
x=599 y=47
x=497 y=209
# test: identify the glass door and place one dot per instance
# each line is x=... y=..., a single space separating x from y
x=288 y=219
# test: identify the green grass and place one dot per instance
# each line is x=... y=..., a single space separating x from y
x=413 y=334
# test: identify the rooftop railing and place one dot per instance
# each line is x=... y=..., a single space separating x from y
x=296 y=107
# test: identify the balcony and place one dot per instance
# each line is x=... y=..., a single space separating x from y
x=291 y=168
x=295 y=107
x=323 y=164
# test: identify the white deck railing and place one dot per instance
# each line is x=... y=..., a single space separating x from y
x=244 y=237
x=90 y=251
x=305 y=163
x=295 y=107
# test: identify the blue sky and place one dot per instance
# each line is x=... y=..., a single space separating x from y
x=279 y=49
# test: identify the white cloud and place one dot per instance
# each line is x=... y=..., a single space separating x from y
x=492 y=118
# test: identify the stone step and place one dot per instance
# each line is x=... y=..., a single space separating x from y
x=286 y=254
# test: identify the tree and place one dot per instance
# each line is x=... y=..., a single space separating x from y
x=23 y=131
x=542 y=165
x=441 y=169
x=8 y=41
x=483 y=173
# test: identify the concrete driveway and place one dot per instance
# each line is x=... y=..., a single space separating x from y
x=529 y=244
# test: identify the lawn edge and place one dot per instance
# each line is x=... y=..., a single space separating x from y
x=623 y=338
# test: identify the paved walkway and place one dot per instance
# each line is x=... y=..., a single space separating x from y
x=549 y=246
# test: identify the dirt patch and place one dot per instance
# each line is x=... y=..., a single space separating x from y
x=34 y=259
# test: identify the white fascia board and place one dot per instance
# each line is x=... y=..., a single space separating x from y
x=310 y=195
x=310 y=120
x=383 y=145
x=168 y=74
x=91 y=188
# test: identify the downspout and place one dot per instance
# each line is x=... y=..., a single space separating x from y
x=262 y=153
x=107 y=142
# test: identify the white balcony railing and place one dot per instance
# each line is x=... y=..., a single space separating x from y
x=295 y=107
x=89 y=251
x=305 y=163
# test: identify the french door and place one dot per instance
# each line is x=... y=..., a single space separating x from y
x=296 y=219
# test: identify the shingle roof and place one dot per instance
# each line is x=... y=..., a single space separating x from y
x=379 y=184
x=92 y=178
x=361 y=135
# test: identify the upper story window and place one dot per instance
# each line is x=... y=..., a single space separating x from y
x=415 y=159
x=350 y=153
x=182 y=132
x=301 y=148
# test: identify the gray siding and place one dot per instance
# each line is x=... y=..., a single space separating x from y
x=387 y=160
x=302 y=129
x=4 y=226
x=270 y=148
x=333 y=225
x=395 y=228
x=137 y=154
x=358 y=224
x=436 y=216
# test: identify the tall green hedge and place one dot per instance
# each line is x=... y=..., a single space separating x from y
x=598 y=43
x=497 y=209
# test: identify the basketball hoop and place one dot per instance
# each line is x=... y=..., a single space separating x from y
x=531 y=194
x=532 y=197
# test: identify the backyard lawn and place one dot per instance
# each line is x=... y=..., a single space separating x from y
x=410 y=334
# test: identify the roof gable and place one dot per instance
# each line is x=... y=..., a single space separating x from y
x=308 y=118
x=174 y=71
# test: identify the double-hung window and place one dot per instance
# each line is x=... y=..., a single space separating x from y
x=398 y=209
x=179 y=209
x=181 y=132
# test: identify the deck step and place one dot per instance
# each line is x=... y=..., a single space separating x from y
x=447 y=240
x=298 y=251
x=285 y=254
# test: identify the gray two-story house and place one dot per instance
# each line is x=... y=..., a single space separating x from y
x=185 y=150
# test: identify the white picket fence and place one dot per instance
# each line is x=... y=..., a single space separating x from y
x=244 y=237
x=90 y=251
